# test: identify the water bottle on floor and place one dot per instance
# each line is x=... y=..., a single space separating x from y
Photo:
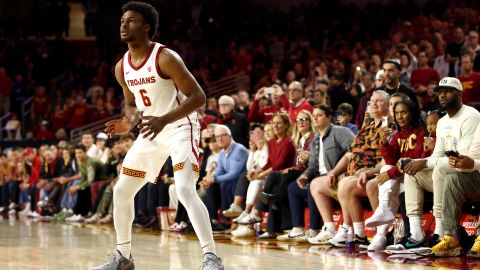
x=350 y=241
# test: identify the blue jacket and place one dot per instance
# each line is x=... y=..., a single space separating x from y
x=230 y=166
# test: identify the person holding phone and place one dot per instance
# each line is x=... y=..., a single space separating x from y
x=455 y=132
x=265 y=105
x=459 y=186
x=406 y=142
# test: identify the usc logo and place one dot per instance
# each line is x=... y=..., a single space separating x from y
x=467 y=85
x=407 y=144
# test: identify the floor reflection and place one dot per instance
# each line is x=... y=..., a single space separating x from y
x=36 y=245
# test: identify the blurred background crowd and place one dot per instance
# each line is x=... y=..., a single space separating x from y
x=57 y=92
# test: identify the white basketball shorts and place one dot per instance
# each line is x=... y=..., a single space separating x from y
x=146 y=157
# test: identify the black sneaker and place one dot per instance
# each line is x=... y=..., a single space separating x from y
x=406 y=243
x=432 y=241
x=188 y=228
x=361 y=242
x=220 y=227
x=116 y=262
x=466 y=241
x=268 y=198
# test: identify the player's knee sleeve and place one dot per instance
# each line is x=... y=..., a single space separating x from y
x=185 y=182
x=126 y=188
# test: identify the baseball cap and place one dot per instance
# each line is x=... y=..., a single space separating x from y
x=449 y=82
x=102 y=136
x=394 y=61
x=226 y=100
x=379 y=74
x=28 y=151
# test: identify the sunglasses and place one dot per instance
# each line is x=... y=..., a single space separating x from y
x=301 y=120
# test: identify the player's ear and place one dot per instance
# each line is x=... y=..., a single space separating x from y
x=147 y=28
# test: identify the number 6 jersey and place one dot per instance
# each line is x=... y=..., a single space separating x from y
x=155 y=95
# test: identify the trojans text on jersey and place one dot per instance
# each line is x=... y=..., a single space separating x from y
x=141 y=81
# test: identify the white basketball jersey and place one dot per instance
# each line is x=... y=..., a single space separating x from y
x=154 y=95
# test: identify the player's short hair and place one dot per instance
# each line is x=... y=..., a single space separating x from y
x=148 y=12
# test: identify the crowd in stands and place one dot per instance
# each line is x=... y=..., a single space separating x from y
x=382 y=119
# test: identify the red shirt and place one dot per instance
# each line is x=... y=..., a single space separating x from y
x=281 y=155
x=97 y=114
x=471 y=88
x=294 y=109
x=44 y=135
x=5 y=86
x=57 y=120
x=77 y=119
x=257 y=115
x=422 y=76
x=207 y=120
x=406 y=143
x=40 y=105
x=35 y=171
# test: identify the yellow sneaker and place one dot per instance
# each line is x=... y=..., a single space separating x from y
x=474 y=252
x=448 y=247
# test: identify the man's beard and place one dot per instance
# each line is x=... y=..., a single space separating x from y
x=126 y=39
x=450 y=105
x=391 y=81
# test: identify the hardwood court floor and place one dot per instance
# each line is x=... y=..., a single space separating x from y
x=27 y=245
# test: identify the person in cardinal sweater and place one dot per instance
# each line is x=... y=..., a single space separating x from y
x=407 y=142
x=267 y=102
x=237 y=123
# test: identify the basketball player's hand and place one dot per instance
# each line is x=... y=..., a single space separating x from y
x=118 y=126
x=151 y=126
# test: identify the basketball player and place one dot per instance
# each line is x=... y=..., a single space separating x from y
x=161 y=93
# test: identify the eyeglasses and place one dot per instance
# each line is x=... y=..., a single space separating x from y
x=221 y=135
x=301 y=120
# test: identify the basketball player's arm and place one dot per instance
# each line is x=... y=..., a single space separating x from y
x=131 y=118
x=172 y=66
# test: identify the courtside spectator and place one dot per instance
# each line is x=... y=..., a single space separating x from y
x=237 y=123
